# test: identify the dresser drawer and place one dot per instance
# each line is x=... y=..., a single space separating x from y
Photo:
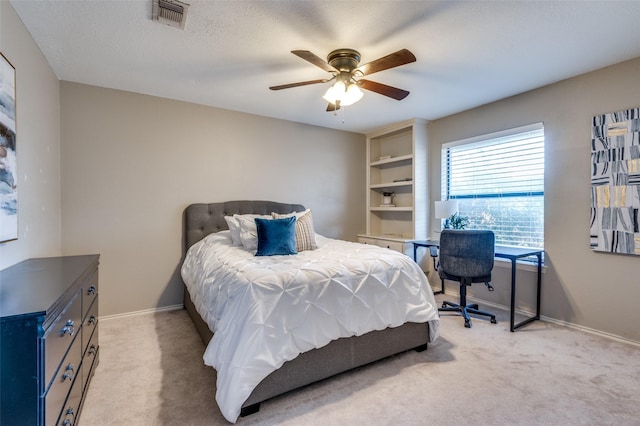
x=89 y=293
x=60 y=336
x=89 y=324
x=392 y=245
x=363 y=240
x=71 y=407
x=64 y=379
x=89 y=360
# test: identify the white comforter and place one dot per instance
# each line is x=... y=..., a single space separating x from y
x=267 y=310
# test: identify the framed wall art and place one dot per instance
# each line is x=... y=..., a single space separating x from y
x=615 y=182
x=8 y=174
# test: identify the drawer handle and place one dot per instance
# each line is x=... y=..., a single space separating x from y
x=92 y=320
x=92 y=350
x=68 y=422
x=68 y=375
x=91 y=290
x=68 y=328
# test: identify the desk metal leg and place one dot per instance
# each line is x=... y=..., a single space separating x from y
x=539 y=295
x=513 y=295
x=514 y=327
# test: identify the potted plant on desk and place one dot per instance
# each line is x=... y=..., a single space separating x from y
x=458 y=222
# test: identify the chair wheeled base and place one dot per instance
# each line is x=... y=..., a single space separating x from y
x=465 y=309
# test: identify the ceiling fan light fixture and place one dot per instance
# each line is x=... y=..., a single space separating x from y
x=334 y=93
x=353 y=95
x=339 y=88
x=346 y=95
x=330 y=95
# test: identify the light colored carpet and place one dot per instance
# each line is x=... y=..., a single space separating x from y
x=151 y=373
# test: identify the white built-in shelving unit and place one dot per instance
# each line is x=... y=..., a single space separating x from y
x=397 y=159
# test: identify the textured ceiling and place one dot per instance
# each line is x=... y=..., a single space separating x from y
x=468 y=52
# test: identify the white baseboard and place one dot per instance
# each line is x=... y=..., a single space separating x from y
x=449 y=293
x=549 y=319
x=590 y=331
x=143 y=312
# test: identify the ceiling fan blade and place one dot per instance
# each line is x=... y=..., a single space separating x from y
x=401 y=57
x=301 y=83
x=383 y=89
x=315 y=60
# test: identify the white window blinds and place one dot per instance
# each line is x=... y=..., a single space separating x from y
x=498 y=180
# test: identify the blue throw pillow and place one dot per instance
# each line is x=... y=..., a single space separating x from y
x=276 y=236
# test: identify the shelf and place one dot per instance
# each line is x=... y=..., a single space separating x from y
x=391 y=209
x=406 y=146
x=407 y=183
x=392 y=160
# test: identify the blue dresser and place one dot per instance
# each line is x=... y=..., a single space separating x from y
x=49 y=339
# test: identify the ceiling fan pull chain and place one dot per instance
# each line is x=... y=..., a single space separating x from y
x=336 y=107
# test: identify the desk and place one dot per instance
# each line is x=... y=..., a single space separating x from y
x=513 y=254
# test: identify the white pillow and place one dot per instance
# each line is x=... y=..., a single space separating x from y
x=248 y=230
x=234 y=228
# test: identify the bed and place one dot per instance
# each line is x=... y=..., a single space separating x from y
x=205 y=224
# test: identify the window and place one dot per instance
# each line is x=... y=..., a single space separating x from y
x=498 y=180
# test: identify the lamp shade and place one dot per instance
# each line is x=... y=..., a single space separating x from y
x=446 y=208
x=352 y=95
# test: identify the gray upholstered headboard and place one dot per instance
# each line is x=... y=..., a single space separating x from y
x=201 y=220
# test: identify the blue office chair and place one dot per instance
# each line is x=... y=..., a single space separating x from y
x=466 y=256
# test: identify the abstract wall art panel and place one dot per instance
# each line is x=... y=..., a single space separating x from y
x=8 y=177
x=615 y=182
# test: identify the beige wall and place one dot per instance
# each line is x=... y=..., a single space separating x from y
x=594 y=290
x=131 y=163
x=37 y=144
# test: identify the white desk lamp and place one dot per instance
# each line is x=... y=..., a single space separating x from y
x=445 y=209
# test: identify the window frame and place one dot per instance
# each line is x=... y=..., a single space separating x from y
x=486 y=139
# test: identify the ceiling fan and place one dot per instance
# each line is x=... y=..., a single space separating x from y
x=343 y=64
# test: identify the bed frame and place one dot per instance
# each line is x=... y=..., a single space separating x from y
x=338 y=356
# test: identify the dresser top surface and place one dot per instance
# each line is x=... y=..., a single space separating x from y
x=36 y=285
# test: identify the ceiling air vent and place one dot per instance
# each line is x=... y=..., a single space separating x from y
x=170 y=12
